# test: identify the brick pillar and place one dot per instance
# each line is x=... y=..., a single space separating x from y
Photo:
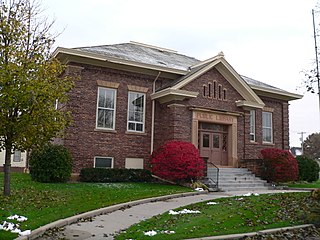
x=285 y=126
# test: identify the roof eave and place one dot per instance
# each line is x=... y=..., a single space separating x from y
x=274 y=93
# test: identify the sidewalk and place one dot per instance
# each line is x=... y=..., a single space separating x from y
x=107 y=225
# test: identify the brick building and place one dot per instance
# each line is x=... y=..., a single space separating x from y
x=131 y=98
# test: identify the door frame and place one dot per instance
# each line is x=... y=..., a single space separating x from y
x=229 y=119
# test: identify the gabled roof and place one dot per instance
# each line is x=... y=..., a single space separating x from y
x=149 y=58
x=251 y=100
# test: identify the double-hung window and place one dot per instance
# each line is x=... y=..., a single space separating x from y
x=267 y=131
x=106 y=108
x=252 y=125
x=136 y=111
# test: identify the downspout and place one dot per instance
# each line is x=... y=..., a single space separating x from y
x=152 y=112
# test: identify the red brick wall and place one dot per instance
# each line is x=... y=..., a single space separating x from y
x=84 y=141
x=280 y=129
x=173 y=120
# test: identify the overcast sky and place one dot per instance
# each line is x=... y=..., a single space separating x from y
x=270 y=41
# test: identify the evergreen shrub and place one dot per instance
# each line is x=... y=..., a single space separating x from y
x=104 y=175
x=279 y=165
x=177 y=161
x=308 y=169
x=50 y=164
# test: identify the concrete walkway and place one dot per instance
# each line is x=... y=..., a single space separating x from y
x=107 y=225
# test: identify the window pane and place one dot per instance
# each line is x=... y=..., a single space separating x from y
x=101 y=117
x=205 y=140
x=139 y=127
x=131 y=126
x=215 y=140
x=103 y=162
x=17 y=156
x=108 y=122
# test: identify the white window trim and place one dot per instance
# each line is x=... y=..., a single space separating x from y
x=144 y=113
x=94 y=161
x=271 y=127
x=114 y=110
x=253 y=124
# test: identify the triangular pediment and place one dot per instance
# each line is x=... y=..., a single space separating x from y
x=250 y=98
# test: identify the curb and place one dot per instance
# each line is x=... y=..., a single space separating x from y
x=67 y=221
x=252 y=234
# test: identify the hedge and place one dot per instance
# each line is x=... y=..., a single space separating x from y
x=308 y=169
x=115 y=175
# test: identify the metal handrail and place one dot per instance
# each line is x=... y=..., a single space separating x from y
x=217 y=177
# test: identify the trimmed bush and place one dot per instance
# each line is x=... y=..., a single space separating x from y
x=50 y=164
x=177 y=161
x=280 y=165
x=114 y=175
x=308 y=169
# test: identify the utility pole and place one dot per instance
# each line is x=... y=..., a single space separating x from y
x=316 y=50
x=301 y=139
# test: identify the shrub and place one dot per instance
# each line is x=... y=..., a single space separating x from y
x=308 y=169
x=280 y=165
x=177 y=161
x=52 y=163
x=115 y=175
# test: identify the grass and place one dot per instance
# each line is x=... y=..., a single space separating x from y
x=43 y=203
x=315 y=184
x=228 y=216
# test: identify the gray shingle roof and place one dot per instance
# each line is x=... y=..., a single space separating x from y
x=256 y=83
x=144 y=54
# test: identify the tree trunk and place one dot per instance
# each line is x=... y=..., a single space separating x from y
x=7 y=170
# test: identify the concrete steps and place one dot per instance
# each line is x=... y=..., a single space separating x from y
x=237 y=179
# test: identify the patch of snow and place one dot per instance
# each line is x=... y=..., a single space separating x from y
x=150 y=233
x=212 y=203
x=239 y=199
x=18 y=218
x=199 y=189
x=25 y=233
x=168 y=232
x=250 y=194
x=13 y=227
x=184 y=211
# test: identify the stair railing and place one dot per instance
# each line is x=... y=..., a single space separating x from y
x=215 y=178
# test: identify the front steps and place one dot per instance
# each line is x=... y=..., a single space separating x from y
x=237 y=179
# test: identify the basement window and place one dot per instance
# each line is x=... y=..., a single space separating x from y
x=103 y=162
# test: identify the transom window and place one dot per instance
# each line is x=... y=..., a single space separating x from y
x=252 y=125
x=103 y=162
x=136 y=111
x=267 y=132
x=106 y=108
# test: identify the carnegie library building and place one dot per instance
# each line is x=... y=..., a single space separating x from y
x=131 y=98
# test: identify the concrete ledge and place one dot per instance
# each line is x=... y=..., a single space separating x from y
x=67 y=221
x=252 y=234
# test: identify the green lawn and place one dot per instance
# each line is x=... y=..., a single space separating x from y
x=305 y=185
x=229 y=215
x=44 y=203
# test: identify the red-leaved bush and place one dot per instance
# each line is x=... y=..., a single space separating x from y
x=280 y=165
x=177 y=161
